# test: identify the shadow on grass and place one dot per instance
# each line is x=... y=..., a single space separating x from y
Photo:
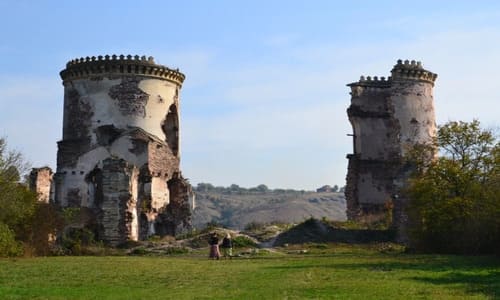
x=487 y=284
x=472 y=274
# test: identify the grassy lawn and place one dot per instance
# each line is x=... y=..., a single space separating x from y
x=336 y=272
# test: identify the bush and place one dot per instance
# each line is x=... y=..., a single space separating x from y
x=75 y=240
x=139 y=251
x=255 y=226
x=8 y=244
x=243 y=241
x=455 y=203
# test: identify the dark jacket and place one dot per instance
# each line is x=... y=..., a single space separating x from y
x=227 y=243
x=213 y=240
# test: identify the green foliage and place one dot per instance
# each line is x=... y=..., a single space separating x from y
x=42 y=228
x=75 y=240
x=255 y=226
x=455 y=206
x=243 y=241
x=18 y=204
x=235 y=189
x=212 y=225
x=12 y=163
x=204 y=187
x=139 y=251
x=8 y=244
x=262 y=188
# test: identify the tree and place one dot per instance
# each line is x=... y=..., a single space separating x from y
x=455 y=199
x=204 y=187
x=23 y=220
x=16 y=201
x=262 y=188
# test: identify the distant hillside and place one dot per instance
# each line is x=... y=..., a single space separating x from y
x=237 y=209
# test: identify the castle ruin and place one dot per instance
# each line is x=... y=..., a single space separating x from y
x=388 y=117
x=120 y=150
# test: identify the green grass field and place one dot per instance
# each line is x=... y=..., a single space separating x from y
x=325 y=272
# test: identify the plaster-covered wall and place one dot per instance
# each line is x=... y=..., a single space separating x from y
x=41 y=182
x=388 y=117
x=120 y=146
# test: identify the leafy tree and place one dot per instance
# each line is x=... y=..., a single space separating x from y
x=335 y=188
x=8 y=244
x=455 y=199
x=204 y=187
x=262 y=188
x=23 y=220
x=16 y=202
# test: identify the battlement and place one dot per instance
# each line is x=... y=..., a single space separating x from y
x=375 y=81
x=403 y=70
x=80 y=68
x=412 y=70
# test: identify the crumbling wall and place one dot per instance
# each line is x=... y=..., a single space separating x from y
x=130 y=98
x=40 y=181
x=120 y=143
x=178 y=212
x=389 y=117
x=116 y=216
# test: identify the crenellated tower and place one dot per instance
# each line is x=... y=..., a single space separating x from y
x=388 y=117
x=120 y=152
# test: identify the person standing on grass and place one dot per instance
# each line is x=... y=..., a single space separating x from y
x=227 y=247
x=214 y=246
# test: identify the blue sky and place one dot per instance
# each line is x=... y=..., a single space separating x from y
x=265 y=99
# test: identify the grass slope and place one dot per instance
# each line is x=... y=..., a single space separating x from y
x=237 y=210
x=325 y=272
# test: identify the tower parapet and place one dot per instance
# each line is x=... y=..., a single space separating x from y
x=412 y=70
x=119 y=65
x=375 y=81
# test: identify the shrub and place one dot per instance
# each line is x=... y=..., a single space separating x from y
x=8 y=244
x=243 y=241
x=75 y=240
x=255 y=226
x=139 y=251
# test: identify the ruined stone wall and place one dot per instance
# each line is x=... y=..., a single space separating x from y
x=388 y=117
x=120 y=142
x=116 y=217
x=40 y=181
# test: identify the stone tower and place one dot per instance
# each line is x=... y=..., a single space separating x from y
x=119 y=155
x=388 y=117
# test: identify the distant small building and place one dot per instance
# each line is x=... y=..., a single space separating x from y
x=325 y=189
